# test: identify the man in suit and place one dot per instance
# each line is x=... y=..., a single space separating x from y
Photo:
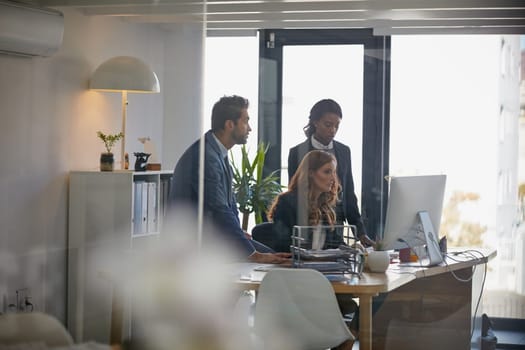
x=230 y=126
x=322 y=127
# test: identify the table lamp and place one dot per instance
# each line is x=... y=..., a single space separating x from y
x=124 y=74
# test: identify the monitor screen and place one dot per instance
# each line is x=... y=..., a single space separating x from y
x=409 y=195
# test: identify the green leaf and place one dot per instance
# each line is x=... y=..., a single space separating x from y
x=109 y=140
x=253 y=191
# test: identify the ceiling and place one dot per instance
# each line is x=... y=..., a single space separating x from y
x=386 y=17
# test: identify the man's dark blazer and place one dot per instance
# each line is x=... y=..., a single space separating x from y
x=347 y=207
x=219 y=200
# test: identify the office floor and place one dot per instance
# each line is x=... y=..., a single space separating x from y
x=510 y=340
x=510 y=333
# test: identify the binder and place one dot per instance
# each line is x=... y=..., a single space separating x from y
x=162 y=202
x=137 y=207
x=163 y=194
x=151 y=221
x=144 y=209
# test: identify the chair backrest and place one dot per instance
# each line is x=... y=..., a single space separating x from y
x=264 y=234
x=33 y=327
x=301 y=305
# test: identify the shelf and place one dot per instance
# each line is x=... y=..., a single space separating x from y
x=106 y=222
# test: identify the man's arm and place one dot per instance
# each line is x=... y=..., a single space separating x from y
x=225 y=214
x=218 y=206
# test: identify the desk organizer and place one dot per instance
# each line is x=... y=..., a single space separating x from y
x=328 y=249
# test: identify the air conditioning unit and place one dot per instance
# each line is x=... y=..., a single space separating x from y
x=29 y=31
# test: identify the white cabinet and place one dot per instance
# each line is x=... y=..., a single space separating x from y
x=110 y=214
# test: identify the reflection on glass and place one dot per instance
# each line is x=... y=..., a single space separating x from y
x=231 y=71
x=454 y=111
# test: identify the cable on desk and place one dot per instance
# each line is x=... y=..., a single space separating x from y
x=479 y=299
x=415 y=253
x=456 y=276
x=470 y=254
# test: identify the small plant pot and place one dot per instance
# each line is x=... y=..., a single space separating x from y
x=378 y=260
x=107 y=162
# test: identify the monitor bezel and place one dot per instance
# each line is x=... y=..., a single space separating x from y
x=409 y=195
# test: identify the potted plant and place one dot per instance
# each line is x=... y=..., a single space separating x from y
x=254 y=192
x=106 y=159
x=378 y=259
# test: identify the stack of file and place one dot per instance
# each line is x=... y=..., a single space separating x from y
x=145 y=213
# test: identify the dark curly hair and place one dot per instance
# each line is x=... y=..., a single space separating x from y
x=318 y=110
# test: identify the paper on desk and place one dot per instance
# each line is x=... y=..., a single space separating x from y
x=325 y=253
x=242 y=271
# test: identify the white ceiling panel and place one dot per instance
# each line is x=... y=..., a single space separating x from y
x=384 y=16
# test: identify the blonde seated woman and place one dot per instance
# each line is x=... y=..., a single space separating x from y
x=311 y=200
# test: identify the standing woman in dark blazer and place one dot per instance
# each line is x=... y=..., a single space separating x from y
x=325 y=117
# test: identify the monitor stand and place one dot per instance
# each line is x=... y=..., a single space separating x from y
x=434 y=253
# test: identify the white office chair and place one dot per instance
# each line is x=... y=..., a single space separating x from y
x=298 y=308
x=33 y=328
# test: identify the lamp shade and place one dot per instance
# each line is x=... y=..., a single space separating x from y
x=124 y=73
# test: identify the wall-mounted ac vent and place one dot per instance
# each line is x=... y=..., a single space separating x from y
x=29 y=31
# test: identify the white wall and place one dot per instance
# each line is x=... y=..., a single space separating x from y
x=49 y=121
x=184 y=79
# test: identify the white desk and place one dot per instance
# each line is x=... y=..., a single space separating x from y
x=415 y=296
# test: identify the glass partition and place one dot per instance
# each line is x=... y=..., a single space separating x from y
x=454 y=111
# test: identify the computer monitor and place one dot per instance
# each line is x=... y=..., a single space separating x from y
x=413 y=212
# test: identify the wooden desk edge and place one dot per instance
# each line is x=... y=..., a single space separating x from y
x=392 y=279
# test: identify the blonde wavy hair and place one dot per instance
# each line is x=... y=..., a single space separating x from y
x=321 y=207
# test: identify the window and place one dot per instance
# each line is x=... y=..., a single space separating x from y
x=454 y=111
x=231 y=69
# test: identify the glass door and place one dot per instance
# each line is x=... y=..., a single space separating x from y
x=297 y=68
x=315 y=72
